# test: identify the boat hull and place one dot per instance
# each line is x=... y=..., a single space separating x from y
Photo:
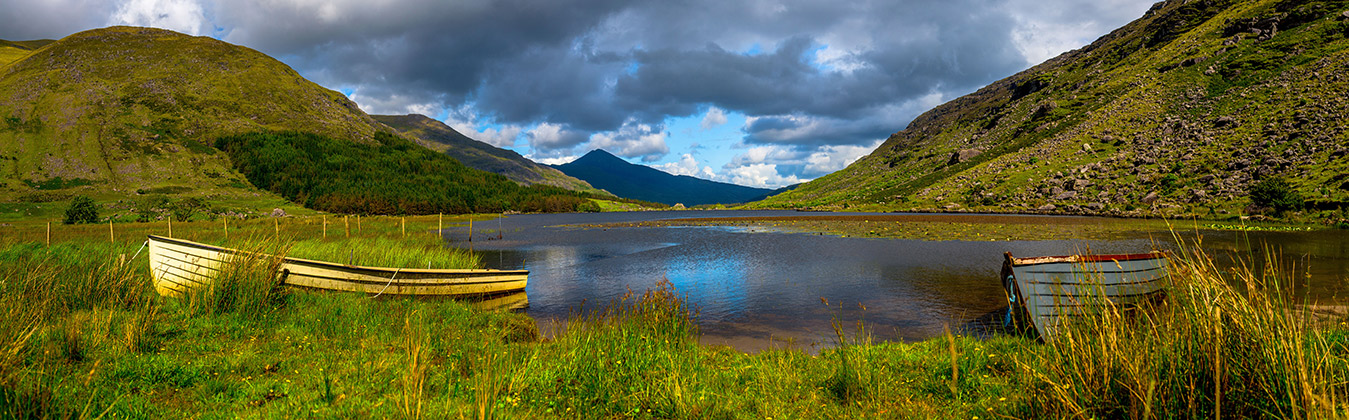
x=1053 y=289
x=177 y=265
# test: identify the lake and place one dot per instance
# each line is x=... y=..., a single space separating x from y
x=757 y=286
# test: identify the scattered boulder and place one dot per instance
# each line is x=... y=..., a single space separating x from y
x=1192 y=61
x=1150 y=198
x=1066 y=195
x=963 y=155
x=1095 y=206
x=1047 y=207
x=1345 y=15
x=1224 y=122
x=1080 y=184
x=278 y=213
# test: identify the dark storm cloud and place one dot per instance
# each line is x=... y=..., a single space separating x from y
x=51 y=19
x=808 y=73
x=593 y=66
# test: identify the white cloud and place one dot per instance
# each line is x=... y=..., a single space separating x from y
x=688 y=165
x=633 y=140
x=1045 y=29
x=762 y=175
x=833 y=158
x=552 y=160
x=466 y=122
x=393 y=104
x=714 y=118
x=549 y=137
x=765 y=154
x=186 y=16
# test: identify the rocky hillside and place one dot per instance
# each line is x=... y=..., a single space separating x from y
x=123 y=110
x=437 y=136
x=1177 y=113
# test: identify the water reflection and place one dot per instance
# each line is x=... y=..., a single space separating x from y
x=756 y=289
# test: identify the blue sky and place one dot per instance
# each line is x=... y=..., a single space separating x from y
x=756 y=92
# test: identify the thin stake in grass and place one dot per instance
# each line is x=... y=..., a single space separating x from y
x=325 y=226
x=49 y=233
x=111 y=238
x=227 y=226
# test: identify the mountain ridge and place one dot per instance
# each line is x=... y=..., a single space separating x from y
x=1176 y=113
x=615 y=175
x=438 y=136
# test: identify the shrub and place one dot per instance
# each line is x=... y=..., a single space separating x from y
x=588 y=207
x=1276 y=195
x=188 y=207
x=82 y=210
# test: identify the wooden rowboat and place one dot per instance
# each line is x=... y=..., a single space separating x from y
x=177 y=265
x=1048 y=290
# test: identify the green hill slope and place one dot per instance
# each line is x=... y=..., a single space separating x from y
x=11 y=51
x=122 y=109
x=437 y=136
x=1179 y=112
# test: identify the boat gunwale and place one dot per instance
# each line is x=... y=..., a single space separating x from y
x=1079 y=258
x=329 y=264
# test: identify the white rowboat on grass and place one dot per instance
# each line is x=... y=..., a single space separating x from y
x=177 y=265
x=1052 y=289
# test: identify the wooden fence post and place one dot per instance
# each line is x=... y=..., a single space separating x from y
x=404 y=224
x=111 y=238
x=346 y=225
x=325 y=226
x=49 y=233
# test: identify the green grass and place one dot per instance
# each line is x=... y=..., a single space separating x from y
x=82 y=334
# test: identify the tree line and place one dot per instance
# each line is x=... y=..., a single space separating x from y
x=392 y=176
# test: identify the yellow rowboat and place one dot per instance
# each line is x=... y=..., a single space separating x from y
x=1049 y=290
x=177 y=265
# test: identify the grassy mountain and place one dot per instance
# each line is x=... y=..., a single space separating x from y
x=120 y=112
x=1179 y=112
x=124 y=109
x=437 y=136
x=606 y=171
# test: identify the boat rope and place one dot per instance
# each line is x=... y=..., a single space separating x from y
x=386 y=285
x=138 y=251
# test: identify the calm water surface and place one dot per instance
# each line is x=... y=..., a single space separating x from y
x=756 y=288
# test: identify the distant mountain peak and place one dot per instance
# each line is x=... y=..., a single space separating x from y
x=611 y=173
x=601 y=155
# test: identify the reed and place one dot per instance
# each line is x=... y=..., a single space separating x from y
x=248 y=284
x=1224 y=344
x=410 y=252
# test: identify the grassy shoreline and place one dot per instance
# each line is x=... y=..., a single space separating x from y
x=82 y=334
